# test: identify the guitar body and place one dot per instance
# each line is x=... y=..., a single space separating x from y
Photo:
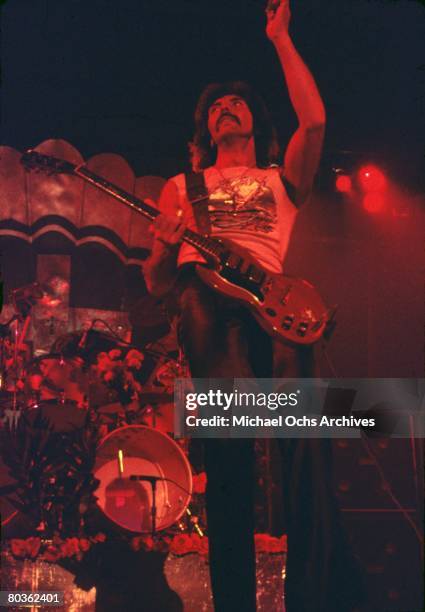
x=286 y=307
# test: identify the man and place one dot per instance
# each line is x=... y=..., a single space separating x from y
x=254 y=203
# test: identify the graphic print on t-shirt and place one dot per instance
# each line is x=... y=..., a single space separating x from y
x=243 y=203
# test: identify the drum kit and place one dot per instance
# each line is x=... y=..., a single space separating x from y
x=93 y=379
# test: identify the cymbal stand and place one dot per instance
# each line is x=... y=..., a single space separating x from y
x=4 y=333
x=14 y=368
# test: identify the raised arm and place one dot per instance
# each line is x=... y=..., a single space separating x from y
x=302 y=155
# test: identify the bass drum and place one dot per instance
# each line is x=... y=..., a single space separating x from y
x=145 y=453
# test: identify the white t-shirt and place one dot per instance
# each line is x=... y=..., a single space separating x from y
x=249 y=206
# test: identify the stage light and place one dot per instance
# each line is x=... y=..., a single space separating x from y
x=373 y=202
x=371 y=179
x=343 y=183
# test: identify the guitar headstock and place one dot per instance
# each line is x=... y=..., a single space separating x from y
x=33 y=160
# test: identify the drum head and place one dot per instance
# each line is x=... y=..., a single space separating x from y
x=146 y=452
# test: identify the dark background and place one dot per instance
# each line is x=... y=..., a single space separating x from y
x=123 y=77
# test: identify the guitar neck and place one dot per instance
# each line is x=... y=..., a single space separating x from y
x=207 y=246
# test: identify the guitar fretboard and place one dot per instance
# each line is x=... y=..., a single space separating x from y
x=206 y=245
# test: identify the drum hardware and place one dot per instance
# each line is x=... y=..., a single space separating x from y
x=119 y=342
x=87 y=344
x=193 y=521
x=57 y=396
x=24 y=298
x=153 y=482
x=5 y=327
x=91 y=332
x=11 y=417
x=14 y=353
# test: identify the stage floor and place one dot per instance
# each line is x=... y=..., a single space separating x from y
x=187 y=575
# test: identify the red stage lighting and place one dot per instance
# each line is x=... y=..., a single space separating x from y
x=372 y=179
x=373 y=202
x=343 y=183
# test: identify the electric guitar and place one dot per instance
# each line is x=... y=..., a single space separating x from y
x=286 y=307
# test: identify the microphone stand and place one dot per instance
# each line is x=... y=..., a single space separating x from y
x=153 y=482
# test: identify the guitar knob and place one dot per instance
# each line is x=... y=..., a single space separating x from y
x=302 y=329
x=287 y=322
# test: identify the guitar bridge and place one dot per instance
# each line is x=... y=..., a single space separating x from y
x=256 y=275
x=284 y=298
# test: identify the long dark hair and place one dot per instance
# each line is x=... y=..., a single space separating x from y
x=203 y=153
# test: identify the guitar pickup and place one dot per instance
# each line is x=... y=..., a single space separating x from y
x=255 y=274
x=233 y=261
x=287 y=322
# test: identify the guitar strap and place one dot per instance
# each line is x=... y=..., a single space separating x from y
x=198 y=197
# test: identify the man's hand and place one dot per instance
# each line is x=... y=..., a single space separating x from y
x=168 y=229
x=278 y=17
x=303 y=152
x=160 y=269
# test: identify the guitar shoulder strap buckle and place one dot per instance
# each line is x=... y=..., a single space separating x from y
x=198 y=197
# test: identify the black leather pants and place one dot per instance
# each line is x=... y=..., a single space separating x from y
x=221 y=339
